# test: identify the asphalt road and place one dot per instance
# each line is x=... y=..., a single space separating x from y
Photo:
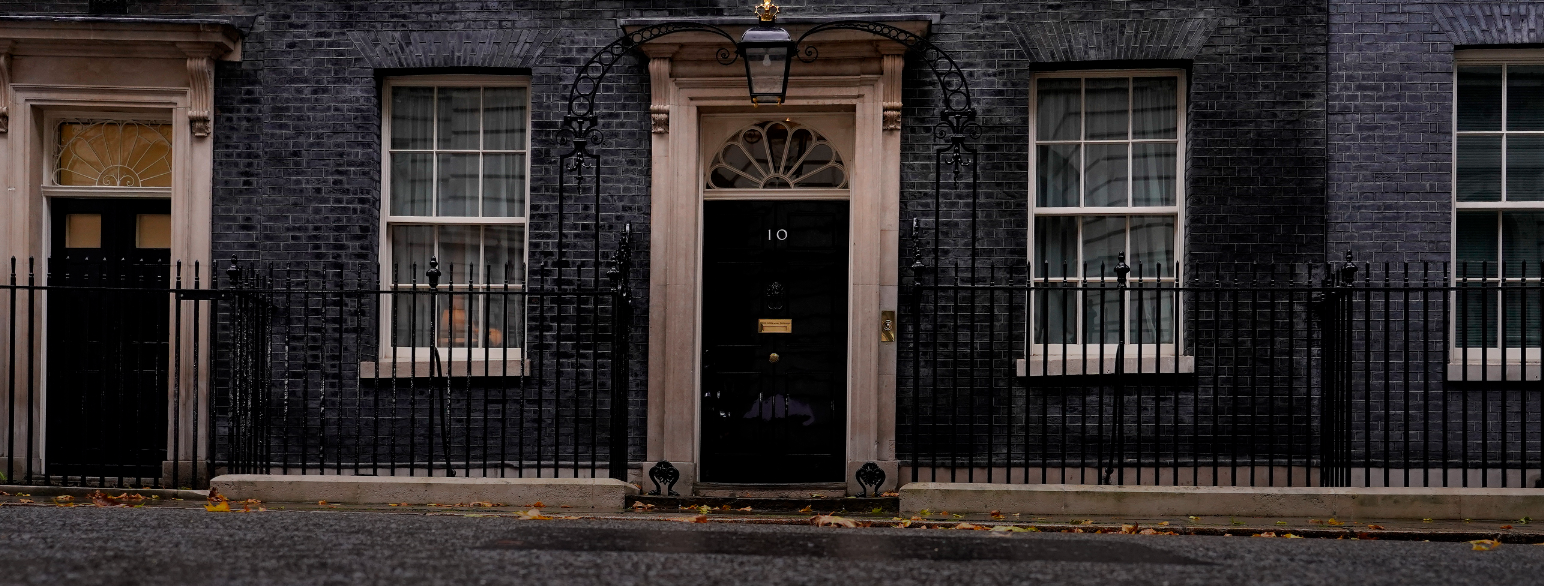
x=109 y=546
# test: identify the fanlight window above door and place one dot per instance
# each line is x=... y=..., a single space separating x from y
x=116 y=153
x=777 y=155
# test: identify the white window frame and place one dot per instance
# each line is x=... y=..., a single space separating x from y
x=1094 y=358
x=1476 y=363
x=460 y=361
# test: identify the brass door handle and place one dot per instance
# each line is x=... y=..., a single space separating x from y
x=773 y=358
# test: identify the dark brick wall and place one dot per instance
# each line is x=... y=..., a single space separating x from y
x=1391 y=104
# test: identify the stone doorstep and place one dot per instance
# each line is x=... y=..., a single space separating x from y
x=1182 y=501
x=732 y=505
x=579 y=494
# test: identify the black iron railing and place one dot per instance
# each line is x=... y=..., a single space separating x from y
x=153 y=376
x=1337 y=374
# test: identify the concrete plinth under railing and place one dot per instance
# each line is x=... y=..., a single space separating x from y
x=1139 y=502
x=580 y=494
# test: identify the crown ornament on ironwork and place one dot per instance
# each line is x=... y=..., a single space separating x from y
x=434 y=272
x=1121 y=269
x=767 y=11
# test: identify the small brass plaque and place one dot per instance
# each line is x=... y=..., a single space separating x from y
x=774 y=326
x=887 y=326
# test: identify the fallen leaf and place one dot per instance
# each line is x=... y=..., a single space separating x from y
x=1380 y=527
x=533 y=515
x=391 y=504
x=100 y=499
x=832 y=521
x=1014 y=529
x=1426 y=520
x=537 y=505
x=891 y=494
x=1506 y=526
x=1334 y=522
x=969 y=527
x=1193 y=518
x=996 y=514
x=744 y=509
x=1128 y=529
x=703 y=510
x=1281 y=522
x=1291 y=536
x=1485 y=544
x=25 y=501
x=1148 y=531
x=1265 y=534
x=64 y=498
x=817 y=496
x=807 y=509
x=220 y=507
x=1318 y=522
x=1164 y=523
x=322 y=503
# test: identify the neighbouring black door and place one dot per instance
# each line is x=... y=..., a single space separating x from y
x=108 y=307
x=774 y=344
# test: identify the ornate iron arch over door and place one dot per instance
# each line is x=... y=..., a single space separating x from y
x=584 y=218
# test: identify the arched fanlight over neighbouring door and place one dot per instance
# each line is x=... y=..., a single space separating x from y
x=777 y=155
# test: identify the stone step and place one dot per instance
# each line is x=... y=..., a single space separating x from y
x=887 y=506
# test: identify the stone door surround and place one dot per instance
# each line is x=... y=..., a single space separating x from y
x=851 y=93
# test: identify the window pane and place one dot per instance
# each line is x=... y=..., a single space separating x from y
x=1106 y=179
x=457 y=185
x=412 y=180
x=459 y=253
x=1155 y=107
x=411 y=247
x=1479 y=98
x=504 y=118
x=1056 y=170
x=412 y=117
x=459 y=110
x=1477 y=256
x=1108 y=105
x=1152 y=246
x=1477 y=242
x=114 y=154
x=503 y=186
x=1524 y=168
x=1522 y=240
x=504 y=249
x=1054 y=310
x=1525 y=97
x=1056 y=246
x=1151 y=315
x=1101 y=314
x=83 y=230
x=1154 y=170
x=153 y=231
x=1103 y=238
x=1059 y=110
x=1479 y=168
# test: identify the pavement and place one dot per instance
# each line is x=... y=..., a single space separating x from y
x=178 y=542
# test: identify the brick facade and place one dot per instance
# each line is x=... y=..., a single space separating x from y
x=1313 y=127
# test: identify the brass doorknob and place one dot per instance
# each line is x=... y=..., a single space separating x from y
x=773 y=358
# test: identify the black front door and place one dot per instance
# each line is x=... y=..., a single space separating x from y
x=774 y=359
x=108 y=333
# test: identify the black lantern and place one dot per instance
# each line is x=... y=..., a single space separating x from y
x=767 y=51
